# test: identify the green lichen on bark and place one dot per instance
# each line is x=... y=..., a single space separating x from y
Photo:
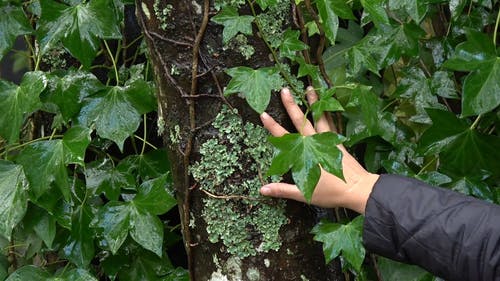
x=231 y=167
x=162 y=13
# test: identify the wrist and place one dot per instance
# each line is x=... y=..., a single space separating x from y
x=356 y=197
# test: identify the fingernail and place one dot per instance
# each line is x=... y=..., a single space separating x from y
x=265 y=190
x=285 y=91
x=309 y=89
x=264 y=115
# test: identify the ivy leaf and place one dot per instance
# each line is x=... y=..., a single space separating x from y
x=102 y=177
x=244 y=81
x=78 y=27
x=326 y=103
x=366 y=119
x=416 y=87
x=395 y=271
x=13 y=196
x=116 y=220
x=481 y=91
x=147 y=230
x=337 y=238
x=416 y=9
x=376 y=10
x=76 y=274
x=291 y=44
x=16 y=102
x=43 y=223
x=476 y=186
x=13 y=23
x=148 y=166
x=146 y=266
x=304 y=155
x=113 y=223
x=44 y=164
x=69 y=90
x=154 y=197
x=443 y=86
x=233 y=23
x=456 y=8
x=473 y=53
x=463 y=151
x=75 y=142
x=29 y=272
x=116 y=111
x=266 y=3
x=329 y=18
x=79 y=248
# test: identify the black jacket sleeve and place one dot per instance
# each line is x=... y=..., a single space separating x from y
x=451 y=235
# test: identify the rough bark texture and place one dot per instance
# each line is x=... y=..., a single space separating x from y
x=188 y=107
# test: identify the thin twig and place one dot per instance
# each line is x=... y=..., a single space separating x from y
x=175 y=42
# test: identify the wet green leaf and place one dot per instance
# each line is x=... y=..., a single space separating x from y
x=29 y=272
x=395 y=271
x=476 y=186
x=146 y=266
x=43 y=223
x=75 y=143
x=376 y=10
x=326 y=103
x=481 y=90
x=463 y=151
x=44 y=164
x=148 y=166
x=113 y=223
x=116 y=112
x=416 y=87
x=266 y=3
x=104 y=178
x=13 y=23
x=13 y=196
x=329 y=18
x=79 y=27
x=16 y=102
x=69 y=90
x=416 y=9
x=345 y=238
x=304 y=155
x=77 y=274
x=79 y=248
x=154 y=196
x=115 y=220
x=146 y=229
x=233 y=23
x=291 y=44
x=473 y=53
x=244 y=80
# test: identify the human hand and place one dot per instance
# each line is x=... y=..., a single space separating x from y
x=330 y=191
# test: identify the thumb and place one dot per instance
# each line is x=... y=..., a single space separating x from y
x=282 y=190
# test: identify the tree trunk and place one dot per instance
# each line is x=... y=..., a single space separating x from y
x=219 y=156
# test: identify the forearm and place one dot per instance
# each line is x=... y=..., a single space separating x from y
x=451 y=235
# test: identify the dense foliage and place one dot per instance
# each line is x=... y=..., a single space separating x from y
x=413 y=84
x=82 y=188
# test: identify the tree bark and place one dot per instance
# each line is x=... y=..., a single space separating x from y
x=189 y=60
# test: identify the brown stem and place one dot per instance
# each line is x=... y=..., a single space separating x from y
x=192 y=126
x=322 y=42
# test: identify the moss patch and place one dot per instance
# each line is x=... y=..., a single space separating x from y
x=231 y=166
